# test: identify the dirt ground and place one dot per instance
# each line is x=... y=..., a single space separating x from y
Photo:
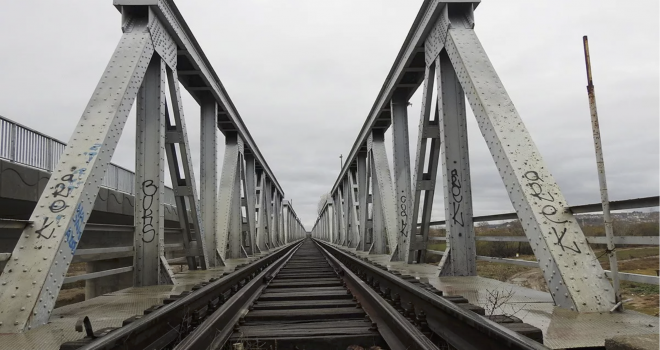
x=645 y=297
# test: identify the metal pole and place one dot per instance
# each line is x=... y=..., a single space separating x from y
x=600 y=162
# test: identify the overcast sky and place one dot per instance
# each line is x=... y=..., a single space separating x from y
x=303 y=74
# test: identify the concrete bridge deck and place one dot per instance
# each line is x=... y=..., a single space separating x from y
x=111 y=309
x=562 y=329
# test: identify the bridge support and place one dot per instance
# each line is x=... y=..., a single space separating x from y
x=384 y=224
x=425 y=176
x=461 y=247
x=262 y=214
x=402 y=193
x=229 y=200
x=363 y=195
x=209 y=176
x=185 y=192
x=31 y=280
x=443 y=45
x=149 y=266
x=353 y=206
x=567 y=261
x=250 y=197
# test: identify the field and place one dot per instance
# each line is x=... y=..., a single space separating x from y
x=633 y=260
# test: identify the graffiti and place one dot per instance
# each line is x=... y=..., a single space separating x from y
x=404 y=215
x=44 y=226
x=73 y=234
x=148 y=231
x=457 y=195
x=560 y=238
x=57 y=206
x=93 y=151
x=549 y=210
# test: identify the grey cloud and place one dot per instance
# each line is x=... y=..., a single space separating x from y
x=304 y=75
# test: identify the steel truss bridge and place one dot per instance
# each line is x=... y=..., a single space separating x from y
x=254 y=274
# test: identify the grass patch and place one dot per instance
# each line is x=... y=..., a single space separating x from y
x=628 y=253
x=497 y=271
x=437 y=246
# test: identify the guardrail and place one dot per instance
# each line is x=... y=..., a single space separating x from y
x=637 y=203
x=22 y=145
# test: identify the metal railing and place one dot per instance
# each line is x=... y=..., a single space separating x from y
x=22 y=145
x=627 y=204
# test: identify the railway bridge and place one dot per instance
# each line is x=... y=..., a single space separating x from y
x=228 y=263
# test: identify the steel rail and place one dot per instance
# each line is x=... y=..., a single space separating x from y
x=216 y=329
x=171 y=322
x=460 y=328
x=398 y=332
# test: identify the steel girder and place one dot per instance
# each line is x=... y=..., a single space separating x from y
x=443 y=34
x=262 y=214
x=567 y=261
x=150 y=266
x=354 y=205
x=250 y=197
x=31 y=280
x=461 y=259
x=363 y=195
x=155 y=38
x=209 y=179
x=402 y=192
x=183 y=184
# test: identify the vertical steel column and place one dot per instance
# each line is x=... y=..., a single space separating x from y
x=245 y=234
x=402 y=192
x=250 y=195
x=262 y=213
x=354 y=222
x=565 y=258
x=185 y=190
x=236 y=218
x=341 y=213
x=462 y=260
x=276 y=219
x=286 y=216
x=424 y=179
x=32 y=279
x=272 y=242
x=336 y=205
x=208 y=174
x=363 y=194
x=346 y=209
x=382 y=185
x=330 y=220
x=149 y=218
x=228 y=186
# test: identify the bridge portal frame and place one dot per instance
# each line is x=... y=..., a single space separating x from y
x=442 y=39
x=154 y=35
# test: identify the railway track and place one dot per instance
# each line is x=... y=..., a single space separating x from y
x=309 y=296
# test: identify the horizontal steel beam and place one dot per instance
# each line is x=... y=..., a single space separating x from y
x=631 y=240
x=89 y=276
x=626 y=204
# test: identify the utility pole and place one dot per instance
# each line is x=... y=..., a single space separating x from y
x=600 y=163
